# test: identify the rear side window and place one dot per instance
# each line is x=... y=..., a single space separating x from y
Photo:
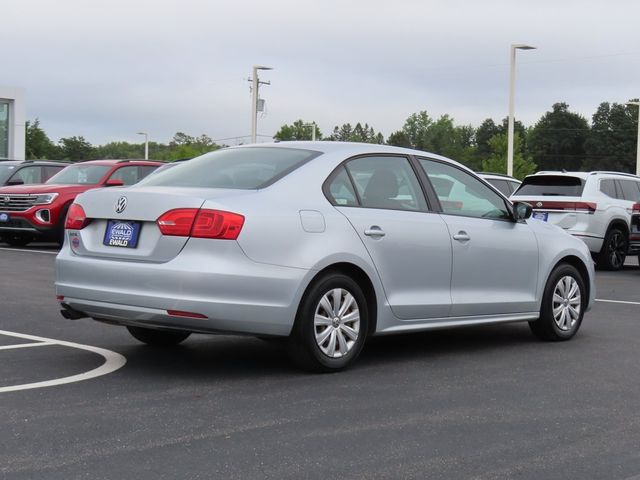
x=630 y=190
x=513 y=186
x=50 y=171
x=387 y=183
x=608 y=187
x=551 y=185
x=341 y=190
x=237 y=168
x=132 y=174
x=501 y=185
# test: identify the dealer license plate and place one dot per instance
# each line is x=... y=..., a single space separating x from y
x=541 y=216
x=122 y=234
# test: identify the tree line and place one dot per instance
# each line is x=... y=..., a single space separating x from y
x=560 y=139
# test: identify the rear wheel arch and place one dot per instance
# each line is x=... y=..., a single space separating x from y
x=620 y=224
x=361 y=278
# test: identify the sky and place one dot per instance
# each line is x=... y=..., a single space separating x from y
x=108 y=69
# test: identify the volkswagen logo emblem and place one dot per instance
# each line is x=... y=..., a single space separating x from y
x=121 y=204
x=539 y=204
x=7 y=199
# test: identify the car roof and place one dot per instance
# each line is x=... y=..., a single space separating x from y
x=34 y=162
x=499 y=176
x=583 y=175
x=110 y=162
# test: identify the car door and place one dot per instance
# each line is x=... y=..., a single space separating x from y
x=495 y=260
x=410 y=246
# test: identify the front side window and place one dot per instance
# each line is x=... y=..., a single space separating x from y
x=386 y=182
x=239 y=168
x=462 y=194
x=80 y=175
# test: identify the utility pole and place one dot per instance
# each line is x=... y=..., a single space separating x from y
x=512 y=83
x=146 y=144
x=255 y=86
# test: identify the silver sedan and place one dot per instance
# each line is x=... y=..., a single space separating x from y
x=321 y=243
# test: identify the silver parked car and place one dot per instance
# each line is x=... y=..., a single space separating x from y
x=322 y=243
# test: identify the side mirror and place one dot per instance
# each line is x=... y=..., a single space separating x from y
x=522 y=210
x=114 y=182
x=16 y=181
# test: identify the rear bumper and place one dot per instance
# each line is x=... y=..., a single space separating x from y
x=214 y=279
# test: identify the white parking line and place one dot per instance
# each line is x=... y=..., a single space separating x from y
x=617 y=301
x=26 y=345
x=113 y=361
x=50 y=252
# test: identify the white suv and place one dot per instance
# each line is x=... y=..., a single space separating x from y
x=593 y=206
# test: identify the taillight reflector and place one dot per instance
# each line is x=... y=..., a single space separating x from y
x=76 y=218
x=180 y=313
x=201 y=223
x=588 y=207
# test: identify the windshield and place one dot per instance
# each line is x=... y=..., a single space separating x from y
x=5 y=172
x=239 y=168
x=80 y=175
x=551 y=185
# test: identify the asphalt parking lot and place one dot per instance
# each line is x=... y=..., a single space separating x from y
x=480 y=403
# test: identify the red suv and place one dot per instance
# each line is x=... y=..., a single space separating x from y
x=29 y=212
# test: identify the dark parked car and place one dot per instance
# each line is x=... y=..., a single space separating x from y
x=23 y=172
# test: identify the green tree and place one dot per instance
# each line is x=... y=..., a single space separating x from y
x=497 y=161
x=76 y=148
x=485 y=132
x=38 y=145
x=298 y=130
x=557 y=141
x=611 y=143
x=360 y=133
x=441 y=136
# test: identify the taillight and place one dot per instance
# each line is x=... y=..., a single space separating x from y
x=584 y=207
x=636 y=208
x=76 y=218
x=201 y=223
x=177 y=222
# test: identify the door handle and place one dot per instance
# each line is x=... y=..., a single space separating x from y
x=374 y=231
x=462 y=236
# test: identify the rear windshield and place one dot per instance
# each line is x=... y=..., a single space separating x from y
x=79 y=175
x=551 y=185
x=238 y=168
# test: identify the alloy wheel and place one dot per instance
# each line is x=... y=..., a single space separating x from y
x=336 y=323
x=617 y=249
x=567 y=303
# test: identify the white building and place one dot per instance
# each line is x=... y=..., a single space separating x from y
x=12 y=127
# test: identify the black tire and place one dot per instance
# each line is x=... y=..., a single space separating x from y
x=614 y=250
x=158 y=338
x=18 y=239
x=302 y=345
x=548 y=327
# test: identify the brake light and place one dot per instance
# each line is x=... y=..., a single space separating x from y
x=76 y=218
x=636 y=208
x=583 y=207
x=177 y=222
x=201 y=223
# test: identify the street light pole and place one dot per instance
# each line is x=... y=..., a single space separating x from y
x=146 y=144
x=512 y=82
x=637 y=138
x=255 y=85
x=313 y=130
